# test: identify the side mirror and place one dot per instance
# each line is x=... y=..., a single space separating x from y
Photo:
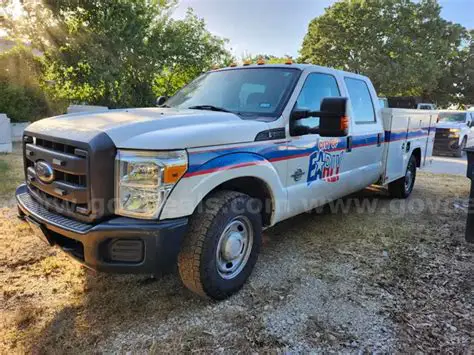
x=161 y=100
x=333 y=120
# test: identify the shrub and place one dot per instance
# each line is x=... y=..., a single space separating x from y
x=21 y=95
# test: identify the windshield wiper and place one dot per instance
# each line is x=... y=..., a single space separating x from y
x=208 y=107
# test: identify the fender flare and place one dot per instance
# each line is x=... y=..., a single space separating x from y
x=195 y=186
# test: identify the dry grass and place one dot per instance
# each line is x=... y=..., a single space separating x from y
x=11 y=173
x=330 y=282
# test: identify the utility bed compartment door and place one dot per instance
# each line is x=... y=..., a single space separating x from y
x=430 y=129
x=396 y=135
x=405 y=131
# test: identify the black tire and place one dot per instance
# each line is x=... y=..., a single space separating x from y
x=199 y=260
x=460 y=152
x=402 y=188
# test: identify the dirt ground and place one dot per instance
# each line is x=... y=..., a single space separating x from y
x=447 y=164
x=378 y=275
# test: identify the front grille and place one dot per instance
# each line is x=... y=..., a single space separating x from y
x=78 y=180
x=443 y=141
x=68 y=192
x=57 y=147
x=57 y=204
x=442 y=133
x=82 y=183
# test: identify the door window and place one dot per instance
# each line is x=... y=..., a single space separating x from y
x=361 y=101
x=316 y=87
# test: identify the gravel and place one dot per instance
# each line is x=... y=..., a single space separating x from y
x=328 y=282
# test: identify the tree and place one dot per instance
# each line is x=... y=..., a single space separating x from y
x=116 y=53
x=403 y=46
x=21 y=94
x=268 y=58
x=465 y=82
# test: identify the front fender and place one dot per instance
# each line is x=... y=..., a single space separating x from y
x=202 y=179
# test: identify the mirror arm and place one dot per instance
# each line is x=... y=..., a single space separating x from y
x=301 y=115
x=315 y=113
x=314 y=130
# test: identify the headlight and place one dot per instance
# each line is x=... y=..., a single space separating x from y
x=144 y=180
x=453 y=132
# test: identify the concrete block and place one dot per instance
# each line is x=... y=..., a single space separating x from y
x=17 y=130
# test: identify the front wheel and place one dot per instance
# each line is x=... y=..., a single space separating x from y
x=460 y=151
x=222 y=244
x=403 y=187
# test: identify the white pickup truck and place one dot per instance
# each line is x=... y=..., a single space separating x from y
x=196 y=180
x=454 y=132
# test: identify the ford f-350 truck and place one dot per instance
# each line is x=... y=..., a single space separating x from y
x=197 y=180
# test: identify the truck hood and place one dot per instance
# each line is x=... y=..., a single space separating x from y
x=153 y=128
x=451 y=125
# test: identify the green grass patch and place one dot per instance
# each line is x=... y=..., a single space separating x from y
x=3 y=166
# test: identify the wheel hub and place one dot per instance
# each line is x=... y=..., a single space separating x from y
x=232 y=246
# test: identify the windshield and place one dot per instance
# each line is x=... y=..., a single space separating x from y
x=247 y=91
x=452 y=117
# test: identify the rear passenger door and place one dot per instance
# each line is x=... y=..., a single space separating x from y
x=367 y=132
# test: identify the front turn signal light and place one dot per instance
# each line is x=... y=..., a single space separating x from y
x=173 y=173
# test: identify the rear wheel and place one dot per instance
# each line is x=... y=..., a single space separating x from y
x=403 y=187
x=222 y=245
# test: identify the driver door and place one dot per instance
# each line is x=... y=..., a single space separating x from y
x=313 y=175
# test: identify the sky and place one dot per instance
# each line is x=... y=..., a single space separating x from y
x=278 y=26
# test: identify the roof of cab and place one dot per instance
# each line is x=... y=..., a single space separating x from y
x=293 y=65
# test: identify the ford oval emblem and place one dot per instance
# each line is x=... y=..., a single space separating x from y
x=44 y=171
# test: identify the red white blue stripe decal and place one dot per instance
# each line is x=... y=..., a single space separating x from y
x=208 y=161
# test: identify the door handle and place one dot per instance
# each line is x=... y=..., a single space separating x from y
x=349 y=144
x=379 y=139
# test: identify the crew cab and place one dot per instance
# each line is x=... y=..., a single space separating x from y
x=196 y=180
x=454 y=132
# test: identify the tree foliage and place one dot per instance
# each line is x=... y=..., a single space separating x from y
x=268 y=58
x=405 y=47
x=21 y=93
x=117 y=53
